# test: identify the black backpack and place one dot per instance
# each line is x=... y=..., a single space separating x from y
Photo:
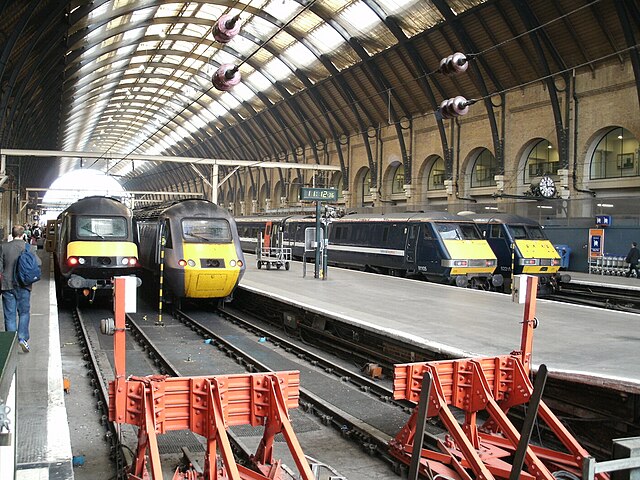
x=27 y=267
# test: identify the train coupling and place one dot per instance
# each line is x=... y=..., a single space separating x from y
x=564 y=278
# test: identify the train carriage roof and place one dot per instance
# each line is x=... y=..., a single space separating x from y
x=97 y=205
x=192 y=207
x=502 y=218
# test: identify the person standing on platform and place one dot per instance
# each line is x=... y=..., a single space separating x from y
x=16 y=298
x=632 y=259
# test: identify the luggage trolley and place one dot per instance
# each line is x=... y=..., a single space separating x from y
x=273 y=256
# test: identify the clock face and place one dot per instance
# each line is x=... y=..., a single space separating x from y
x=547 y=187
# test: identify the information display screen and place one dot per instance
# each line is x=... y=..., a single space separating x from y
x=319 y=194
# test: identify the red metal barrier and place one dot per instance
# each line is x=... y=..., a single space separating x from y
x=206 y=406
x=485 y=384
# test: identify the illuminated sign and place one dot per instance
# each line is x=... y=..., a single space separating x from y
x=319 y=194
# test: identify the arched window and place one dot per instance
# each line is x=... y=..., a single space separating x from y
x=616 y=155
x=543 y=159
x=396 y=177
x=436 y=175
x=366 y=187
x=484 y=170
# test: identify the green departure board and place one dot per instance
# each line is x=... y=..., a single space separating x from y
x=319 y=194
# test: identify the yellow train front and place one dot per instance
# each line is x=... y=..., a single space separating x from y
x=94 y=242
x=522 y=248
x=193 y=246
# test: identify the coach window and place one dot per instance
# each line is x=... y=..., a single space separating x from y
x=616 y=155
x=484 y=170
x=543 y=159
x=436 y=175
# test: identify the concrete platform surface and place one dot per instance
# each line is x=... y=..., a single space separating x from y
x=599 y=345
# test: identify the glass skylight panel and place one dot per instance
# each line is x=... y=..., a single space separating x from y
x=360 y=16
x=259 y=81
x=125 y=51
x=260 y=28
x=243 y=45
x=224 y=57
x=277 y=69
x=174 y=59
x=142 y=14
x=132 y=34
x=196 y=30
x=183 y=46
x=101 y=10
x=168 y=10
x=203 y=50
x=217 y=110
x=197 y=123
x=283 y=11
x=325 y=38
x=209 y=11
x=300 y=55
x=244 y=92
x=228 y=100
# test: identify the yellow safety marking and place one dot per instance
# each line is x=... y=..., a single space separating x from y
x=469 y=250
x=210 y=282
x=102 y=249
x=541 y=249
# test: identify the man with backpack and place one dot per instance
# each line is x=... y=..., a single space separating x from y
x=16 y=285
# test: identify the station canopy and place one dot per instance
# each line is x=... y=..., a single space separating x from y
x=135 y=76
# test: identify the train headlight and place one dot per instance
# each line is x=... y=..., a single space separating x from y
x=460 y=263
x=125 y=261
x=556 y=262
x=82 y=260
x=240 y=264
x=531 y=261
x=72 y=261
x=182 y=262
x=133 y=261
x=490 y=263
x=191 y=263
x=232 y=263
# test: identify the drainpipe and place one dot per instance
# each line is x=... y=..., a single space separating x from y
x=575 y=140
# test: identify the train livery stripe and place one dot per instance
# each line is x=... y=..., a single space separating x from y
x=343 y=248
x=102 y=249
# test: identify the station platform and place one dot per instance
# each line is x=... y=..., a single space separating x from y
x=610 y=281
x=43 y=445
x=586 y=344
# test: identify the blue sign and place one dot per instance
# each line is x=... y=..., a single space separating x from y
x=603 y=220
x=596 y=244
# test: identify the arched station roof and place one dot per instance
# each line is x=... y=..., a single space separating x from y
x=134 y=76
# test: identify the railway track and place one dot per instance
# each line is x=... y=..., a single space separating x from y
x=360 y=410
x=598 y=296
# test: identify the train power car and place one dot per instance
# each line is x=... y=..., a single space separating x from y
x=521 y=242
x=94 y=241
x=438 y=246
x=201 y=256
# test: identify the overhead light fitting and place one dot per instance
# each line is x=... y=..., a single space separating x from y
x=547 y=207
x=491 y=208
x=619 y=137
x=605 y=205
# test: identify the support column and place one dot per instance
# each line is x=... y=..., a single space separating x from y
x=214 y=183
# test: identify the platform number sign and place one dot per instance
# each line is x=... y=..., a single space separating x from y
x=318 y=194
x=596 y=242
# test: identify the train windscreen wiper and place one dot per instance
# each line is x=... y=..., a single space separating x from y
x=92 y=232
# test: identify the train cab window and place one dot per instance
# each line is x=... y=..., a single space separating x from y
x=496 y=231
x=458 y=231
x=101 y=227
x=206 y=230
x=427 y=232
x=517 y=231
x=535 y=233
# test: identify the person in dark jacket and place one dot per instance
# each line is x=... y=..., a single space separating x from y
x=16 y=298
x=632 y=259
